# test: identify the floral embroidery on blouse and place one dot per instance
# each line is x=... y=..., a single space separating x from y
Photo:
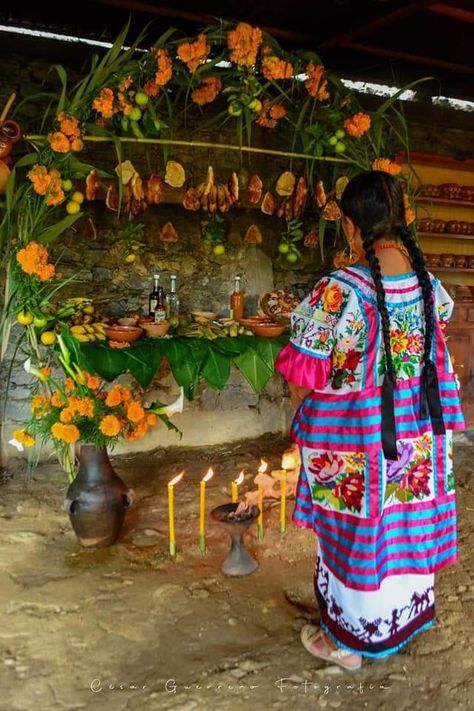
x=338 y=479
x=348 y=351
x=406 y=341
x=409 y=477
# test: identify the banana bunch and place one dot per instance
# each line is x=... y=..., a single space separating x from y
x=205 y=328
x=89 y=332
x=73 y=306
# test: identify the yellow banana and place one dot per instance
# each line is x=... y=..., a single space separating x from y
x=82 y=338
x=77 y=330
x=89 y=329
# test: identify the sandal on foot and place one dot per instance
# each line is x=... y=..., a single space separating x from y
x=315 y=642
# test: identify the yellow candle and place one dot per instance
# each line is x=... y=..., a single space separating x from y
x=171 y=531
x=235 y=487
x=283 y=502
x=202 y=509
x=262 y=468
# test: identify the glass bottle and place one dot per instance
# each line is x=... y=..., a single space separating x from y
x=156 y=301
x=237 y=301
x=172 y=299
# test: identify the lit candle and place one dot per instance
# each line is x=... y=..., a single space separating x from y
x=262 y=468
x=283 y=501
x=202 y=509
x=171 y=531
x=235 y=487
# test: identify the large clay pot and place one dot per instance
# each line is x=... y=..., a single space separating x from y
x=97 y=499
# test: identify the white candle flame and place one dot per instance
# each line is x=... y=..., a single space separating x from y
x=240 y=478
x=263 y=466
x=289 y=460
x=176 y=479
x=208 y=475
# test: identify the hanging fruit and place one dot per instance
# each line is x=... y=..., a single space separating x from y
x=300 y=197
x=208 y=185
x=191 y=199
x=112 y=197
x=332 y=211
x=320 y=194
x=341 y=186
x=175 y=175
x=234 y=187
x=312 y=239
x=253 y=235
x=92 y=185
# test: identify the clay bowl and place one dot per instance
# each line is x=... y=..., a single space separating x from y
x=156 y=329
x=126 y=334
x=250 y=321
x=268 y=330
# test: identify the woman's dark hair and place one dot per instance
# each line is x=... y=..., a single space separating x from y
x=374 y=202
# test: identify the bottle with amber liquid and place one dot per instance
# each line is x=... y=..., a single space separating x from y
x=237 y=301
x=156 y=301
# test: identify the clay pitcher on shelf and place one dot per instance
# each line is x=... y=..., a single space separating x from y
x=97 y=499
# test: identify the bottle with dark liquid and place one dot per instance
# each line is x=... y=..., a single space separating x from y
x=237 y=301
x=157 y=301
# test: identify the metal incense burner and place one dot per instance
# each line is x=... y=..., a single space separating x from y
x=239 y=561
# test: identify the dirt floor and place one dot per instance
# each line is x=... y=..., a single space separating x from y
x=127 y=628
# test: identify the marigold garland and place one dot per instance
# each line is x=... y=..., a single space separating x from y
x=244 y=42
x=315 y=83
x=194 y=53
x=358 y=124
x=33 y=259
x=386 y=165
x=207 y=91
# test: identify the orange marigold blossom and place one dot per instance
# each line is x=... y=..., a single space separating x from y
x=69 y=385
x=56 y=400
x=151 y=419
x=315 y=84
x=207 y=91
x=69 y=125
x=277 y=111
x=83 y=406
x=23 y=437
x=126 y=83
x=110 y=426
x=386 y=165
x=114 y=396
x=92 y=381
x=38 y=402
x=151 y=88
x=59 y=142
x=276 y=68
x=194 y=53
x=165 y=67
x=138 y=431
x=47 y=183
x=104 y=103
x=135 y=411
x=358 y=124
x=77 y=144
x=33 y=259
x=46 y=371
x=244 y=42
x=67 y=415
x=66 y=433
x=270 y=113
x=410 y=215
x=125 y=105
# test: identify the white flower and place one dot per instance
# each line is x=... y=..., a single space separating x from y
x=173 y=408
x=27 y=365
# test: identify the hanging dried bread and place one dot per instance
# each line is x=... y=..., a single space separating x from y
x=319 y=194
x=285 y=184
x=332 y=211
x=300 y=197
x=253 y=235
x=174 y=175
x=234 y=187
x=92 y=185
x=168 y=233
x=268 y=204
x=213 y=199
x=112 y=197
x=209 y=180
x=221 y=199
x=154 y=190
x=254 y=188
x=191 y=199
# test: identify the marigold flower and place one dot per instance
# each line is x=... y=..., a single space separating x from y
x=410 y=215
x=126 y=83
x=276 y=68
x=270 y=114
x=77 y=144
x=125 y=105
x=151 y=419
x=104 y=103
x=33 y=259
x=59 y=142
x=165 y=67
x=66 y=433
x=114 y=396
x=69 y=125
x=110 y=426
x=194 y=53
x=92 y=381
x=358 y=124
x=135 y=411
x=277 y=111
x=46 y=371
x=207 y=91
x=69 y=385
x=315 y=84
x=151 y=88
x=38 y=404
x=67 y=415
x=244 y=42
x=137 y=431
x=386 y=165
x=83 y=406
x=23 y=437
x=56 y=400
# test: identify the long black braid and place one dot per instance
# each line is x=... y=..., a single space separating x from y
x=374 y=202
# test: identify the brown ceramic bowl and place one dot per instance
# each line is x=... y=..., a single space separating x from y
x=127 y=334
x=250 y=321
x=156 y=329
x=268 y=330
